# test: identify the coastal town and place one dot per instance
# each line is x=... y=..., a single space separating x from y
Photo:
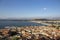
x=30 y=33
x=29 y=19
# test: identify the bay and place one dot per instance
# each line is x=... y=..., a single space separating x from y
x=18 y=23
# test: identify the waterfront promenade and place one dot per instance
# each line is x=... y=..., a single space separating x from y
x=48 y=23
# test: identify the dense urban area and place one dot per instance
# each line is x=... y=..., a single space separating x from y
x=50 y=32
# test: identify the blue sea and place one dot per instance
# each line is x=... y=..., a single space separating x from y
x=18 y=23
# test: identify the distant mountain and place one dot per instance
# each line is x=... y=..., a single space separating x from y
x=40 y=19
x=27 y=19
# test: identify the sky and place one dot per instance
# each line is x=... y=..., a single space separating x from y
x=29 y=8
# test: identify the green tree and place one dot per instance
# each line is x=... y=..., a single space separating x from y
x=14 y=38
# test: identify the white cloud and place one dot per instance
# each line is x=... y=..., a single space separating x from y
x=45 y=8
